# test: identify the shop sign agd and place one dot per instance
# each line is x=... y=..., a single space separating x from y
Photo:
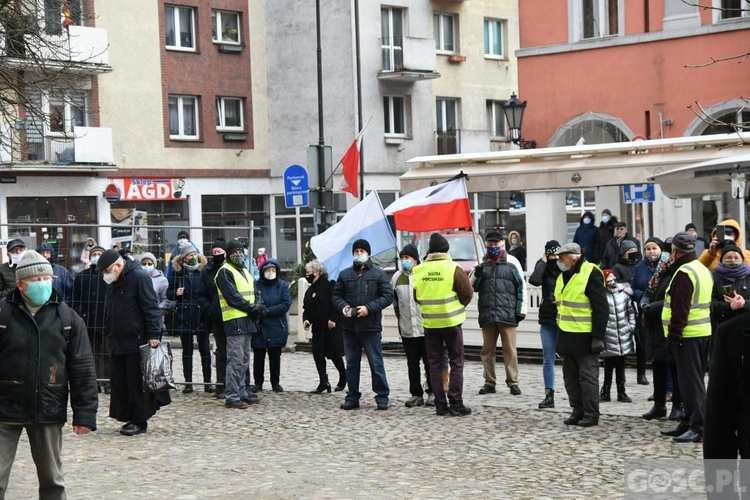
x=147 y=189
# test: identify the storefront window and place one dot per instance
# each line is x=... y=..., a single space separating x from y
x=233 y=217
x=53 y=220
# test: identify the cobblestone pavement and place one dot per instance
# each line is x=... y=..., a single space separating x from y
x=300 y=445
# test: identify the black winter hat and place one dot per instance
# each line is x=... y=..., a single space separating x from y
x=108 y=258
x=220 y=243
x=729 y=246
x=234 y=245
x=363 y=244
x=96 y=248
x=690 y=225
x=409 y=250
x=183 y=234
x=438 y=244
x=551 y=247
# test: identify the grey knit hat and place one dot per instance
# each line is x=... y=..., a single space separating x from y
x=147 y=255
x=33 y=264
x=186 y=249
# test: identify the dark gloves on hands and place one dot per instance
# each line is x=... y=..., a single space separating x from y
x=597 y=346
x=478 y=271
x=520 y=317
x=673 y=343
x=263 y=310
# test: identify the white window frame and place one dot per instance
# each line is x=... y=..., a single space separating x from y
x=491 y=32
x=391 y=41
x=221 y=114
x=440 y=32
x=576 y=25
x=49 y=101
x=176 y=9
x=216 y=16
x=181 y=117
x=443 y=103
x=495 y=112
x=389 y=115
x=718 y=13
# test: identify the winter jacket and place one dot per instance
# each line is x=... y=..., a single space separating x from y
x=40 y=367
x=518 y=251
x=246 y=325
x=273 y=328
x=500 y=288
x=208 y=295
x=642 y=274
x=406 y=307
x=545 y=275
x=363 y=285
x=132 y=314
x=188 y=314
x=720 y=309
x=89 y=295
x=612 y=252
x=624 y=270
x=7 y=279
x=726 y=430
x=161 y=285
x=618 y=341
x=586 y=235
x=710 y=258
x=604 y=233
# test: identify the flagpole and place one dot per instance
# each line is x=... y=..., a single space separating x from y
x=464 y=176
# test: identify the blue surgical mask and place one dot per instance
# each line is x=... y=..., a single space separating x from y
x=494 y=252
x=148 y=269
x=407 y=264
x=39 y=292
x=605 y=218
x=586 y=220
x=360 y=258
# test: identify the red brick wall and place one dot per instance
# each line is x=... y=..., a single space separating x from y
x=207 y=73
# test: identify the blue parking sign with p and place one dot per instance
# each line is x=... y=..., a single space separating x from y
x=296 y=190
x=638 y=193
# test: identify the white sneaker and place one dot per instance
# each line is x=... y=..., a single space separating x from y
x=430 y=400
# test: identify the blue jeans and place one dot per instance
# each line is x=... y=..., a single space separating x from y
x=549 y=347
x=238 y=364
x=354 y=342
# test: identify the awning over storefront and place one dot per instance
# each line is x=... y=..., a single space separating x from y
x=719 y=171
x=585 y=166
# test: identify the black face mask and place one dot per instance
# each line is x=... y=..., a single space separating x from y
x=219 y=258
x=310 y=278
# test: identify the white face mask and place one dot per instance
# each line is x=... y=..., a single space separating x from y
x=16 y=257
x=109 y=278
x=563 y=266
x=270 y=275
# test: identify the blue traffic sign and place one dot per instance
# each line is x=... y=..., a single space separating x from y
x=638 y=193
x=295 y=186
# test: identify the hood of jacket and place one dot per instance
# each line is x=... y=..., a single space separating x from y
x=736 y=226
x=590 y=215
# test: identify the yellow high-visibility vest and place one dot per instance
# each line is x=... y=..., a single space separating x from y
x=245 y=286
x=438 y=302
x=573 y=307
x=699 y=317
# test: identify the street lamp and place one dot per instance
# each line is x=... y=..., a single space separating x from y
x=513 y=109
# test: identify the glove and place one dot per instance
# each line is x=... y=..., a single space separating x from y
x=645 y=307
x=597 y=346
x=673 y=343
x=478 y=272
x=263 y=311
x=520 y=317
x=255 y=311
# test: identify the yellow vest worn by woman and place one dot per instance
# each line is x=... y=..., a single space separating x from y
x=699 y=317
x=433 y=286
x=245 y=287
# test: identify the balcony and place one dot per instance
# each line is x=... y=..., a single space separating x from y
x=86 y=146
x=407 y=59
x=448 y=142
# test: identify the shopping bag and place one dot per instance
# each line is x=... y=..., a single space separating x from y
x=156 y=367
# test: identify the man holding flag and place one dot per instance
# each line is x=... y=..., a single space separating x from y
x=362 y=291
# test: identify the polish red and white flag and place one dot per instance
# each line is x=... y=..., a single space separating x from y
x=444 y=206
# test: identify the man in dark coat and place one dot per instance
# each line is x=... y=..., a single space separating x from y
x=586 y=233
x=132 y=318
x=604 y=233
x=89 y=293
x=361 y=293
x=37 y=377
x=612 y=248
x=16 y=248
x=63 y=281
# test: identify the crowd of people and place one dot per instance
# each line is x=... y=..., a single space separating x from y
x=601 y=299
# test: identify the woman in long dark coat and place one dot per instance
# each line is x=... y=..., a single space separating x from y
x=326 y=323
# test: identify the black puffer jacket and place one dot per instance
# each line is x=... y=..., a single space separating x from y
x=365 y=285
x=500 y=290
x=38 y=367
x=545 y=275
x=132 y=314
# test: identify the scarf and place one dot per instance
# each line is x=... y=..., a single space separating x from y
x=732 y=274
x=661 y=270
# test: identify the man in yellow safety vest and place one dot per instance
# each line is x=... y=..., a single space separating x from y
x=686 y=319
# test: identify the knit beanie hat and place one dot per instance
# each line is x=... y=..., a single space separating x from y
x=33 y=264
x=147 y=255
x=607 y=273
x=438 y=244
x=186 y=249
x=220 y=243
x=409 y=250
x=654 y=239
x=107 y=259
x=626 y=245
x=183 y=234
x=551 y=247
x=96 y=248
x=234 y=245
x=730 y=246
x=362 y=244
x=607 y=211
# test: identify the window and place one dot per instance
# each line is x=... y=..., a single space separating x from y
x=495 y=119
x=447 y=126
x=599 y=18
x=180 y=27
x=394 y=115
x=730 y=9
x=183 y=117
x=729 y=123
x=225 y=26
x=391 y=41
x=444 y=32
x=59 y=13
x=229 y=113
x=65 y=113
x=493 y=38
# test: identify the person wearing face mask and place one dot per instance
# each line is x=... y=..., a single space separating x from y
x=732 y=231
x=44 y=374
x=208 y=297
x=604 y=233
x=132 y=319
x=361 y=293
x=182 y=239
x=89 y=292
x=612 y=251
x=16 y=248
x=240 y=312
x=183 y=291
x=700 y=242
x=731 y=293
x=410 y=327
x=624 y=273
x=582 y=316
x=618 y=341
x=545 y=275
x=501 y=290
x=273 y=328
x=326 y=323
x=160 y=282
x=86 y=252
x=517 y=249
x=586 y=233
x=63 y=281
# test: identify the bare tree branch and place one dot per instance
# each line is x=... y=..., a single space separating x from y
x=742 y=58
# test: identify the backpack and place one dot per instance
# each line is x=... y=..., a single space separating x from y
x=63 y=310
